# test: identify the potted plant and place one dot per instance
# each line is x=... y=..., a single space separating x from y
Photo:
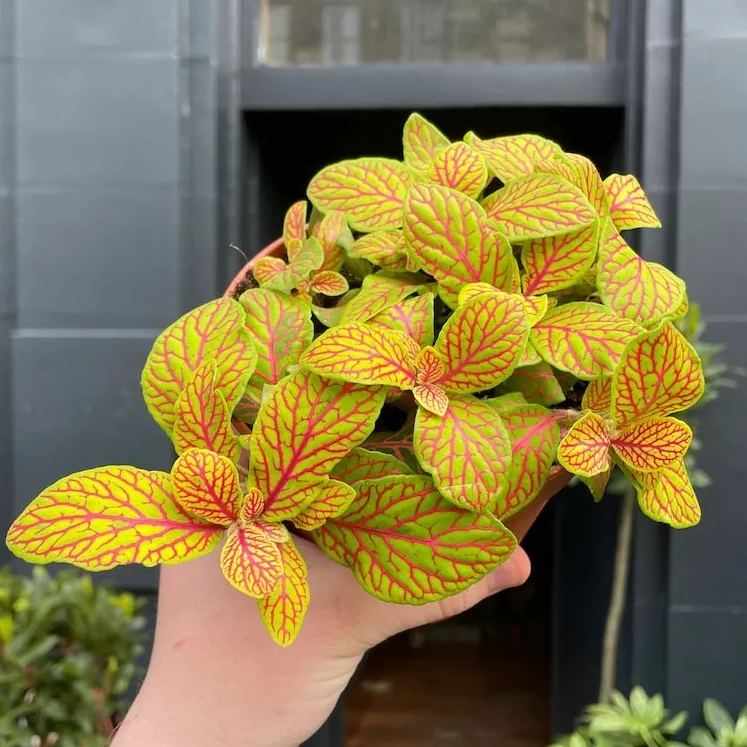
x=441 y=341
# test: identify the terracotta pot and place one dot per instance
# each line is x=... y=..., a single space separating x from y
x=520 y=523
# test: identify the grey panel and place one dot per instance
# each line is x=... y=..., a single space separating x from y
x=704 y=559
x=77 y=404
x=706 y=659
x=712 y=139
x=201 y=128
x=203 y=20
x=7 y=286
x=6 y=443
x=91 y=28
x=103 y=123
x=200 y=281
x=712 y=227
x=412 y=86
x=7 y=153
x=723 y=18
x=98 y=259
x=6 y=28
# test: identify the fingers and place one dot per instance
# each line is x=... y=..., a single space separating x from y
x=384 y=620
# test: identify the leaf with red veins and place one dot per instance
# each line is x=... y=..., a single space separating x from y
x=250 y=561
x=207 y=485
x=252 y=505
x=329 y=283
x=329 y=231
x=331 y=499
x=585 y=449
x=482 y=342
x=514 y=155
x=378 y=292
x=101 y=518
x=429 y=366
x=363 y=354
x=421 y=142
x=432 y=398
x=413 y=316
x=582 y=173
x=383 y=248
x=284 y=608
x=668 y=496
x=652 y=443
x=629 y=206
x=294 y=224
x=598 y=396
x=406 y=544
x=534 y=435
x=467 y=451
x=364 y=464
x=460 y=167
x=537 y=383
x=304 y=428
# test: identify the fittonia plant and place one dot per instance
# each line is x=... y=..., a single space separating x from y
x=478 y=299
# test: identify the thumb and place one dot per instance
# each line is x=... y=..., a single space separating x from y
x=388 y=619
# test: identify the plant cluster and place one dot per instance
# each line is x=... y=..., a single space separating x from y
x=643 y=721
x=67 y=657
x=444 y=334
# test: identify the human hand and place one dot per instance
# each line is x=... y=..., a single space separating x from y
x=216 y=677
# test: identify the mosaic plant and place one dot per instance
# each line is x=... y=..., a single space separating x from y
x=439 y=335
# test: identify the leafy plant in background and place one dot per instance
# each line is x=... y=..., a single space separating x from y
x=445 y=334
x=67 y=656
x=643 y=721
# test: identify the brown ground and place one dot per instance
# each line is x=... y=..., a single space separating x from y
x=459 y=691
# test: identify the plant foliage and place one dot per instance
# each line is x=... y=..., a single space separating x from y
x=67 y=650
x=443 y=334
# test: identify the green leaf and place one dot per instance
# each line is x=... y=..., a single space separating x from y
x=406 y=544
x=717 y=717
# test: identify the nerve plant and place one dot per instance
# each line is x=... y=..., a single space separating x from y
x=442 y=335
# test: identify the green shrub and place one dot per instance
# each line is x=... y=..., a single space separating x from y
x=67 y=656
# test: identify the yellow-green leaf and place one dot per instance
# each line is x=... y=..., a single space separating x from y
x=214 y=331
x=101 y=518
x=368 y=191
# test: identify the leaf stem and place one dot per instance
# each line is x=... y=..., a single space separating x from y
x=618 y=594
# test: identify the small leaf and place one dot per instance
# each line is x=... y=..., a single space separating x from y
x=598 y=396
x=460 y=167
x=557 y=262
x=274 y=273
x=214 y=331
x=655 y=442
x=432 y=398
x=482 y=342
x=421 y=142
x=330 y=500
x=305 y=426
x=413 y=317
x=284 y=608
x=363 y=354
x=597 y=484
x=534 y=435
x=330 y=232
x=643 y=291
x=281 y=327
x=368 y=191
x=659 y=373
x=583 y=338
x=399 y=444
x=450 y=237
x=582 y=173
x=304 y=260
x=717 y=717
x=329 y=283
x=629 y=207
x=294 y=225
x=110 y=516
x=406 y=544
x=380 y=291
x=667 y=496
x=202 y=417
x=207 y=486
x=513 y=156
x=362 y=464
x=467 y=451
x=250 y=561
x=537 y=383
x=384 y=248
x=585 y=449
x=538 y=205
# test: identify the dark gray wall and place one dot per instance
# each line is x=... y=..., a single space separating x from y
x=115 y=205
x=708 y=591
